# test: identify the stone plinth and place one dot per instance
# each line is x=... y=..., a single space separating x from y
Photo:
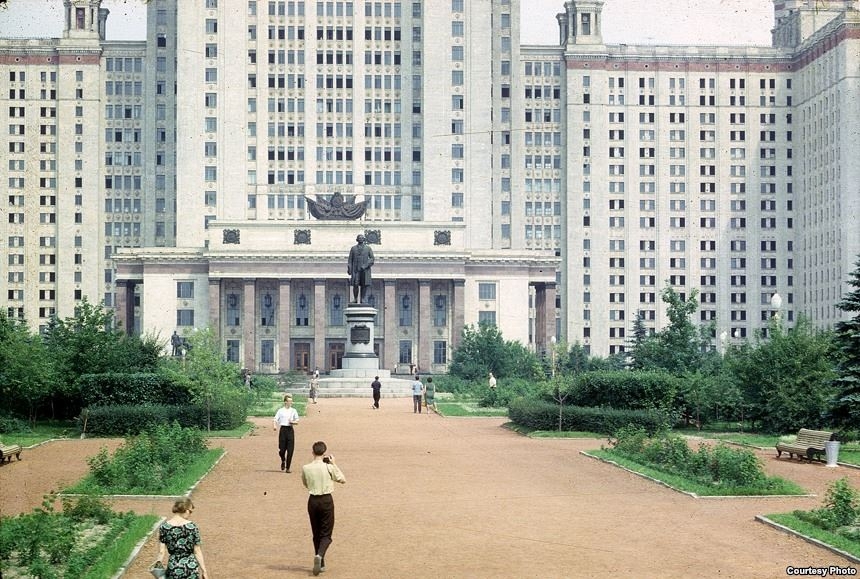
x=359 y=359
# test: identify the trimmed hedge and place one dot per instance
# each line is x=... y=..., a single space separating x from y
x=141 y=388
x=624 y=389
x=130 y=419
x=541 y=415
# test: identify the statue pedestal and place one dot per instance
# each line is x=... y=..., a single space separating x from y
x=359 y=359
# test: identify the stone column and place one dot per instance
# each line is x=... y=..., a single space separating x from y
x=320 y=309
x=284 y=323
x=540 y=318
x=121 y=305
x=215 y=307
x=458 y=312
x=391 y=347
x=425 y=326
x=549 y=328
x=249 y=324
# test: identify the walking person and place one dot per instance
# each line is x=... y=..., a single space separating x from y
x=319 y=477
x=430 y=396
x=283 y=422
x=417 y=394
x=312 y=390
x=377 y=391
x=179 y=538
x=492 y=381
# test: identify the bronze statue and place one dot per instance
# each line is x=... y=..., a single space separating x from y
x=360 y=261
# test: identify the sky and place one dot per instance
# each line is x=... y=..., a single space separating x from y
x=700 y=22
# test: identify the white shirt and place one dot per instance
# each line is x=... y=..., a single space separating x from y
x=286 y=416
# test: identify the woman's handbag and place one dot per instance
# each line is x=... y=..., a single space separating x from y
x=157 y=570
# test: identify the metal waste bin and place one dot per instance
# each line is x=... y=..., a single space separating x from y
x=831 y=450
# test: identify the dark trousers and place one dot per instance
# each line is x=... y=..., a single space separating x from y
x=321 y=515
x=286 y=444
x=416 y=403
x=376 y=399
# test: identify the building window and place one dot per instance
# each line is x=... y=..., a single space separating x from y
x=488 y=318
x=440 y=352
x=267 y=310
x=233 y=318
x=336 y=312
x=233 y=351
x=185 y=290
x=302 y=310
x=184 y=317
x=405 y=308
x=486 y=291
x=440 y=310
x=267 y=352
x=405 y=351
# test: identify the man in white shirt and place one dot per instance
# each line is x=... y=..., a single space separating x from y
x=283 y=422
x=417 y=394
x=319 y=477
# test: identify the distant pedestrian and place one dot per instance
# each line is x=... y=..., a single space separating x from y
x=377 y=391
x=319 y=477
x=312 y=390
x=417 y=394
x=430 y=396
x=316 y=373
x=283 y=422
x=492 y=381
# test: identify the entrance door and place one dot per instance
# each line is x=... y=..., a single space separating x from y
x=302 y=356
x=335 y=355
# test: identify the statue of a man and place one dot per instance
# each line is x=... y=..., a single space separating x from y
x=358 y=268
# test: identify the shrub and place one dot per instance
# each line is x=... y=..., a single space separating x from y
x=123 y=420
x=144 y=462
x=12 y=424
x=625 y=390
x=542 y=415
x=841 y=503
x=507 y=390
x=141 y=388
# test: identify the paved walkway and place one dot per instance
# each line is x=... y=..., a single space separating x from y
x=461 y=497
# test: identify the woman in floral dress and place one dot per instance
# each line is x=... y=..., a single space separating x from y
x=180 y=538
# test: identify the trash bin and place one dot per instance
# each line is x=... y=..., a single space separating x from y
x=831 y=450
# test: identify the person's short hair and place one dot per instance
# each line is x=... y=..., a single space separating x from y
x=319 y=448
x=288 y=397
x=376 y=377
x=429 y=378
x=183 y=505
x=417 y=377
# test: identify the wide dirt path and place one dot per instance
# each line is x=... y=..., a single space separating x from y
x=462 y=497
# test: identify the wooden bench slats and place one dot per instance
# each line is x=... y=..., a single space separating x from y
x=809 y=444
x=8 y=450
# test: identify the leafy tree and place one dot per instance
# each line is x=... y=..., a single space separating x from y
x=678 y=347
x=846 y=404
x=640 y=334
x=26 y=372
x=787 y=378
x=483 y=350
x=211 y=380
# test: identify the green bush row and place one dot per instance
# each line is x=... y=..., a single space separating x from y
x=542 y=415
x=718 y=464
x=140 y=388
x=623 y=389
x=129 y=419
x=144 y=462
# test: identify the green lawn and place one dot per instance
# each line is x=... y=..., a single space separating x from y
x=467 y=408
x=806 y=528
x=777 y=486
x=743 y=438
x=552 y=433
x=43 y=431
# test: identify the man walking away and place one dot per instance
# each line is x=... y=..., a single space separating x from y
x=319 y=477
x=417 y=394
x=377 y=391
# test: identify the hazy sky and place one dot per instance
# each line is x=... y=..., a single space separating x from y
x=624 y=21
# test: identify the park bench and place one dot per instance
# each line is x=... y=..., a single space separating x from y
x=809 y=444
x=7 y=450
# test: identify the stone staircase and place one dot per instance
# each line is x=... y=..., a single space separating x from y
x=356 y=388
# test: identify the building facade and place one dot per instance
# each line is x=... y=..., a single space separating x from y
x=552 y=190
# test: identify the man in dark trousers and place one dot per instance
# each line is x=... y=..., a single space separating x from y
x=319 y=477
x=377 y=391
x=360 y=261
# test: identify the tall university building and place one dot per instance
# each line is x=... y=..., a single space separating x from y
x=210 y=175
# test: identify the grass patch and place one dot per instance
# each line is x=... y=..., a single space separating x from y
x=774 y=485
x=40 y=433
x=268 y=407
x=176 y=485
x=118 y=550
x=238 y=432
x=810 y=530
x=743 y=438
x=532 y=433
x=468 y=408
